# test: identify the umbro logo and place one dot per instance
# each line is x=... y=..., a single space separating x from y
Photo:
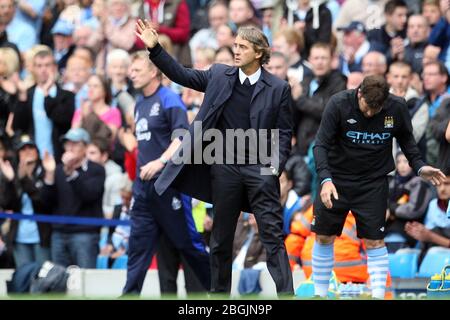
x=382 y=229
x=351 y=121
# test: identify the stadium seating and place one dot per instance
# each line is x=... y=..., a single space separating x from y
x=435 y=259
x=120 y=262
x=403 y=263
x=102 y=262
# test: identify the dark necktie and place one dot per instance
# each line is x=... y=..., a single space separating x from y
x=247 y=82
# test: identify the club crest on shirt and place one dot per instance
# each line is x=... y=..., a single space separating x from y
x=154 y=110
x=176 y=203
x=388 y=122
x=142 y=132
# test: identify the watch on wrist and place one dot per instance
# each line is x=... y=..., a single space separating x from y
x=274 y=170
x=163 y=160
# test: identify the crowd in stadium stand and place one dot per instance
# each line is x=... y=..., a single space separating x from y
x=67 y=115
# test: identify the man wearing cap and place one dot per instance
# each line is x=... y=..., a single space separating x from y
x=75 y=188
x=29 y=239
x=45 y=110
x=355 y=47
x=62 y=42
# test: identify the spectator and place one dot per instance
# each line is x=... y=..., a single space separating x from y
x=75 y=12
x=63 y=43
x=438 y=127
x=78 y=71
x=290 y=200
x=267 y=9
x=7 y=8
x=248 y=250
x=9 y=82
x=417 y=32
x=117 y=243
x=440 y=34
x=409 y=196
x=355 y=47
x=98 y=151
x=374 y=63
x=44 y=111
x=82 y=36
x=242 y=13
x=25 y=27
x=311 y=98
x=354 y=79
x=369 y=12
x=171 y=19
x=313 y=19
x=7 y=201
x=204 y=58
x=399 y=78
x=389 y=39
x=431 y=11
x=30 y=240
x=436 y=228
x=75 y=188
x=118 y=62
x=8 y=197
x=225 y=36
x=97 y=110
x=279 y=65
x=224 y=55
x=116 y=31
x=435 y=84
x=206 y=38
x=290 y=42
x=49 y=18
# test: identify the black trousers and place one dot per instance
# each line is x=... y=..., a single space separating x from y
x=169 y=261
x=230 y=185
x=152 y=215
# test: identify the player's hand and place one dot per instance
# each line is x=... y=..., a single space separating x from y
x=150 y=169
x=147 y=33
x=434 y=175
x=328 y=190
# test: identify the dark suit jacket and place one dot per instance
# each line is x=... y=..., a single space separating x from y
x=59 y=110
x=269 y=109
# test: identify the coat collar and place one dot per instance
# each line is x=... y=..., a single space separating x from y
x=265 y=75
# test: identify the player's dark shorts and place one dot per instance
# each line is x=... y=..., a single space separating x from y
x=366 y=200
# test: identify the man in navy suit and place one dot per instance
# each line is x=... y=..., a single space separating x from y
x=246 y=97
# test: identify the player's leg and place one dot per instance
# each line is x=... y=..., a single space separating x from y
x=143 y=239
x=327 y=224
x=322 y=263
x=369 y=209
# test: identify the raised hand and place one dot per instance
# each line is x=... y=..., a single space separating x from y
x=7 y=169
x=146 y=33
x=49 y=83
x=48 y=162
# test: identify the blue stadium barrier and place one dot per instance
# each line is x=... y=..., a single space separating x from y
x=435 y=259
x=120 y=262
x=102 y=262
x=403 y=263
